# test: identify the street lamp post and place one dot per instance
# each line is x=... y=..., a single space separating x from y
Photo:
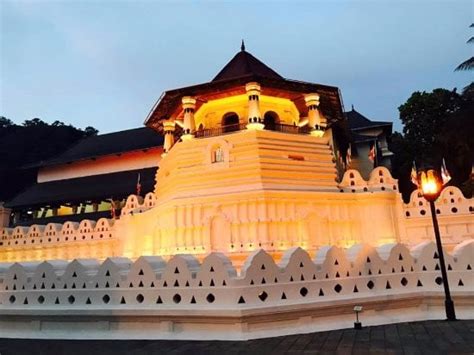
x=431 y=187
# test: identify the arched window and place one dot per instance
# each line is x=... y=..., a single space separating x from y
x=270 y=120
x=230 y=122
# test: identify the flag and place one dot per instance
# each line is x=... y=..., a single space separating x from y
x=413 y=175
x=444 y=173
x=339 y=157
x=112 y=208
x=139 y=185
x=372 y=153
x=348 y=156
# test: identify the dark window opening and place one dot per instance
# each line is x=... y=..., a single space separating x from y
x=230 y=122
x=270 y=120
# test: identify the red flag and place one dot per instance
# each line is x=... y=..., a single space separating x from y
x=414 y=175
x=139 y=186
x=349 y=156
x=372 y=153
x=112 y=208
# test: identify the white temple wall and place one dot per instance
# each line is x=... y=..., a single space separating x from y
x=271 y=220
x=186 y=299
x=244 y=222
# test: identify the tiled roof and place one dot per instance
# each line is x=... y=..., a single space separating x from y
x=107 y=144
x=241 y=69
x=96 y=187
x=243 y=64
x=358 y=121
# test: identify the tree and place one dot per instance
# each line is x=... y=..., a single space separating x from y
x=437 y=125
x=423 y=115
x=34 y=122
x=90 y=131
x=468 y=64
x=57 y=124
x=5 y=122
x=22 y=148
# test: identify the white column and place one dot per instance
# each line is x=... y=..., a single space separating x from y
x=254 y=117
x=189 y=105
x=168 y=128
x=314 y=118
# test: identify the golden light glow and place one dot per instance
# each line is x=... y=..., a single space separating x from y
x=317 y=133
x=187 y=137
x=429 y=183
x=255 y=126
x=210 y=113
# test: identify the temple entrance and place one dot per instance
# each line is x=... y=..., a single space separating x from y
x=230 y=122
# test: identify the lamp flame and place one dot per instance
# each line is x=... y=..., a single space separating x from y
x=429 y=183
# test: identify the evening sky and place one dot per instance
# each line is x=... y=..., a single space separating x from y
x=105 y=63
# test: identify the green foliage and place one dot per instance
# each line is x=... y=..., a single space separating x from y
x=90 y=131
x=437 y=125
x=5 y=122
x=469 y=63
x=402 y=162
x=35 y=122
x=423 y=115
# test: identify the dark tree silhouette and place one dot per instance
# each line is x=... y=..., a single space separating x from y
x=5 y=122
x=437 y=125
x=23 y=147
x=468 y=64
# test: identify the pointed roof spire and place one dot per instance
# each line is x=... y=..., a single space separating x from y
x=353 y=107
x=244 y=64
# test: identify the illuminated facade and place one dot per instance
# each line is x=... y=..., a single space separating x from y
x=249 y=227
x=249 y=161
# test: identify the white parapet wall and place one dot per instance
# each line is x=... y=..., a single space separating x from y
x=185 y=299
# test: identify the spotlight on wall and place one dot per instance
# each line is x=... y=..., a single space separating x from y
x=357 y=324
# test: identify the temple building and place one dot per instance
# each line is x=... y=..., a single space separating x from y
x=81 y=182
x=236 y=213
x=245 y=161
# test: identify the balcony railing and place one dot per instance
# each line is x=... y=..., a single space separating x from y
x=219 y=131
x=278 y=127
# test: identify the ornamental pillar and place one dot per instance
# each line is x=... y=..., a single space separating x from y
x=314 y=118
x=189 y=126
x=254 y=118
x=168 y=128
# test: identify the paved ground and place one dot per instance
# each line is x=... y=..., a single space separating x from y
x=430 y=337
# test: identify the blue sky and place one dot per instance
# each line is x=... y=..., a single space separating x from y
x=105 y=63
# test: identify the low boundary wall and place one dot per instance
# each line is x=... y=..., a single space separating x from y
x=185 y=299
